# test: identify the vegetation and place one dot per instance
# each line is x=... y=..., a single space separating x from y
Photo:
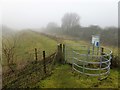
x=70 y=20
x=63 y=77
x=71 y=27
x=28 y=76
x=19 y=55
x=26 y=71
x=24 y=51
x=32 y=75
x=108 y=35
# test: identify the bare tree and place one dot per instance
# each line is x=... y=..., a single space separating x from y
x=70 y=20
x=8 y=48
x=52 y=25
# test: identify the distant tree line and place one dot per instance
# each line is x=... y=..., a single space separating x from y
x=71 y=26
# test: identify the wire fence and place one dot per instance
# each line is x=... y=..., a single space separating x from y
x=35 y=65
x=38 y=66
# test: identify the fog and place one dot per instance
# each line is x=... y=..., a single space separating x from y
x=22 y=14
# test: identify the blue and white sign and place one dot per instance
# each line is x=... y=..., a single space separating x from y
x=96 y=40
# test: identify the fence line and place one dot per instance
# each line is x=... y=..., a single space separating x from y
x=41 y=68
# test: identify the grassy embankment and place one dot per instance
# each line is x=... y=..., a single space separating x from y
x=27 y=41
x=28 y=73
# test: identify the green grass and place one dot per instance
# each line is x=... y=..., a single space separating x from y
x=113 y=48
x=30 y=40
x=64 y=78
x=27 y=41
x=75 y=42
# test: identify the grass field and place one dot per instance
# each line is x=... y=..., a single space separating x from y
x=63 y=77
x=113 y=48
x=27 y=41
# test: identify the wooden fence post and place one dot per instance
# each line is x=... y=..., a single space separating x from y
x=60 y=53
x=44 y=64
x=112 y=60
x=36 y=58
x=102 y=50
x=64 y=53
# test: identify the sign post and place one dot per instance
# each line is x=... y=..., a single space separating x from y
x=96 y=42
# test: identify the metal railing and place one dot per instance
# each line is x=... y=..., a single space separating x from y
x=86 y=62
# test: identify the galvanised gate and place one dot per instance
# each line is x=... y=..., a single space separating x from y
x=89 y=60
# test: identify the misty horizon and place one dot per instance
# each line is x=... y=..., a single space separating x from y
x=37 y=14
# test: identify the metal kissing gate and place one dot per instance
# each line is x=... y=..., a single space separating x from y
x=89 y=60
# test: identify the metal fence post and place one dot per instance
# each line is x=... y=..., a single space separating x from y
x=93 y=49
x=97 y=50
x=88 y=50
x=100 y=67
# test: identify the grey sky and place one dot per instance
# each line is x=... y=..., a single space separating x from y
x=37 y=13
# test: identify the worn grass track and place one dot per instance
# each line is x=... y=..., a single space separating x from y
x=64 y=78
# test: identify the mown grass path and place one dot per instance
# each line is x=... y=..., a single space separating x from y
x=63 y=77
